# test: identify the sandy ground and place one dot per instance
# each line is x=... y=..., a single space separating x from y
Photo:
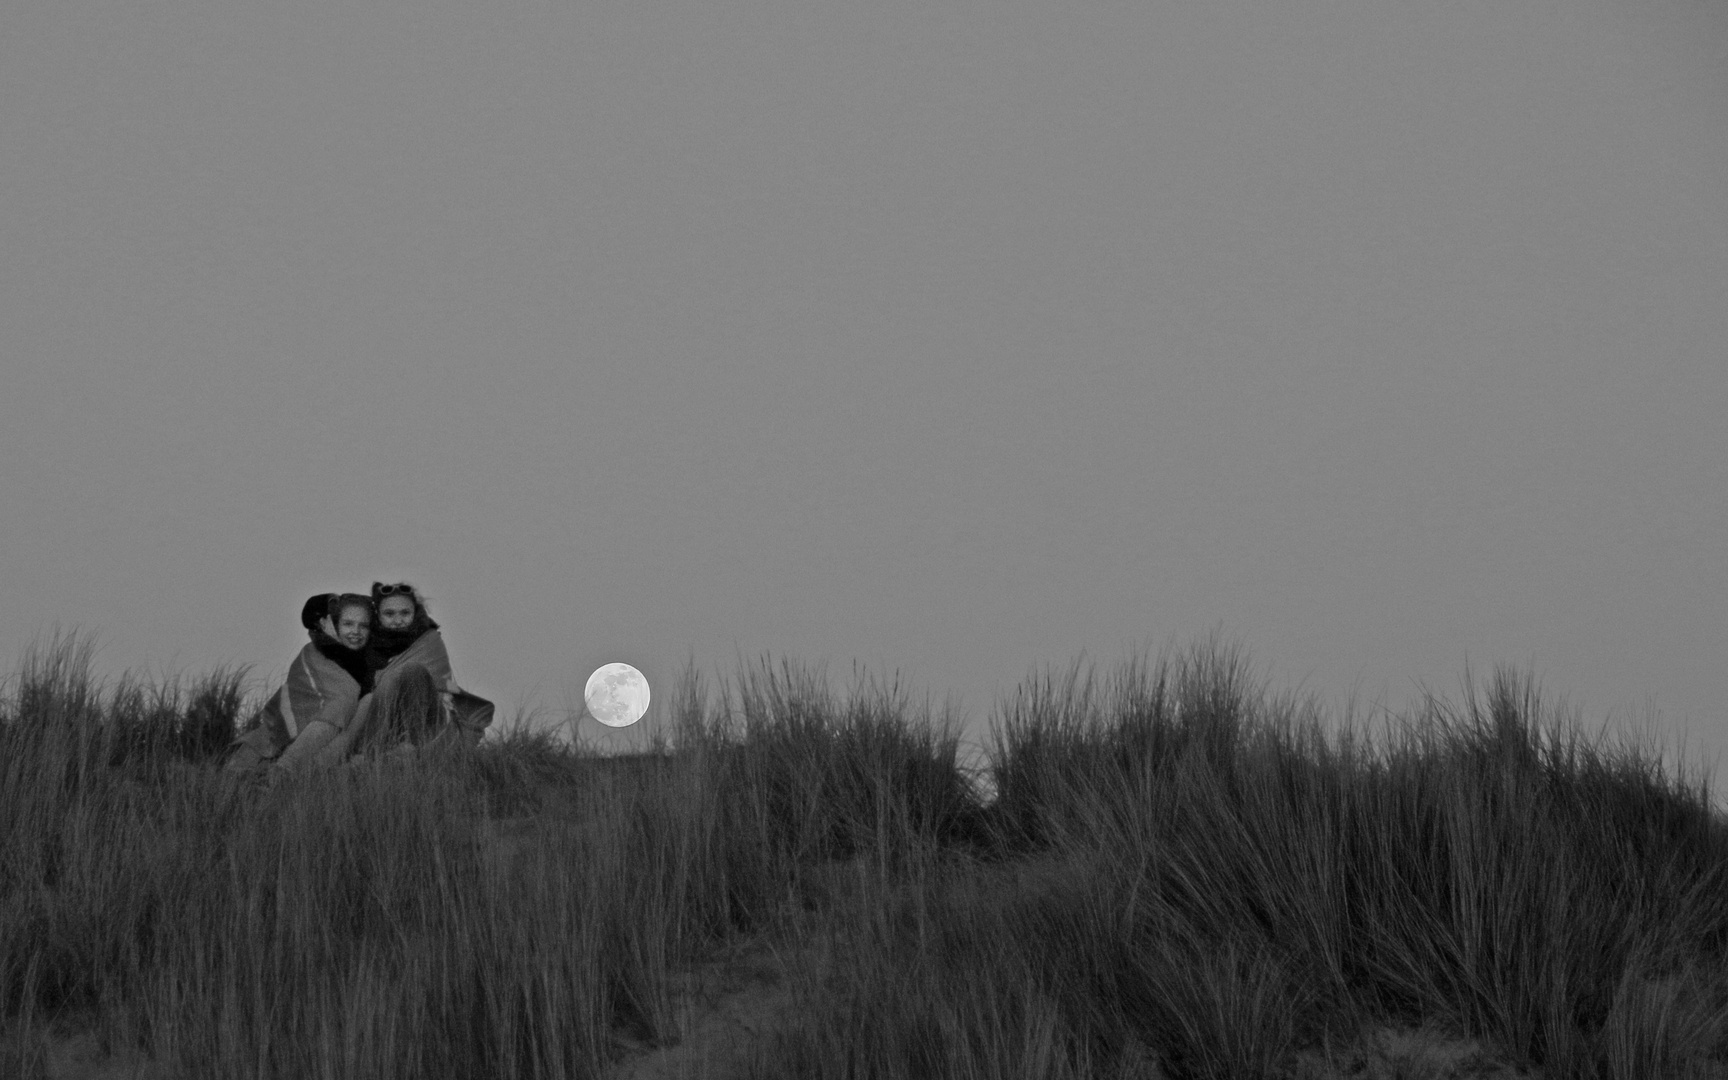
x=734 y=1002
x=729 y=1006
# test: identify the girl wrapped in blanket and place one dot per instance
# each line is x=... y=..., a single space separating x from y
x=322 y=692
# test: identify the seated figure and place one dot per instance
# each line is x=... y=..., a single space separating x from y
x=325 y=683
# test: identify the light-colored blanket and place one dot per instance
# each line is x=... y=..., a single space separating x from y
x=315 y=689
x=469 y=712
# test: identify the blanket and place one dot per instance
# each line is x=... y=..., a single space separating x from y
x=316 y=689
x=469 y=712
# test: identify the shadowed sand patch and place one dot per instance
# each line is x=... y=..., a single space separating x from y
x=1417 y=1054
x=728 y=1008
x=72 y=1051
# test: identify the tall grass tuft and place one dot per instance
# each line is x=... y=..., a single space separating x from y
x=1210 y=878
x=520 y=910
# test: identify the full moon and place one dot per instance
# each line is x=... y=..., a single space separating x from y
x=617 y=695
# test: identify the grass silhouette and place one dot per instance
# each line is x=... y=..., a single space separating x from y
x=1181 y=875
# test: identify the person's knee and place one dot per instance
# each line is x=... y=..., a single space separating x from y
x=409 y=705
x=243 y=757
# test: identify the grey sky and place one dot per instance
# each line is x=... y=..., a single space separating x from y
x=950 y=338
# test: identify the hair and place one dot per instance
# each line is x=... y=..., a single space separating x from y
x=401 y=589
x=340 y=602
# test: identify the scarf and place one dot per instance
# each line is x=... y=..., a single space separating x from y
x=352 y=661
x=386 y=644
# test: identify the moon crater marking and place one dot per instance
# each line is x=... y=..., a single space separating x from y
x=616 y=695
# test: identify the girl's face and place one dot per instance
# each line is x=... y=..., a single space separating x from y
x=395 y=612
x=354 y=627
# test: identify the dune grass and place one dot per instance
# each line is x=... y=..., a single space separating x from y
x=1181 y=875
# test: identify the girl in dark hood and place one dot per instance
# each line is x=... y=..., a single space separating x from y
x=341 y=628
x=322 y=691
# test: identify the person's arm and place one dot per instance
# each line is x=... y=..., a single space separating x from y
x=312 y=744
